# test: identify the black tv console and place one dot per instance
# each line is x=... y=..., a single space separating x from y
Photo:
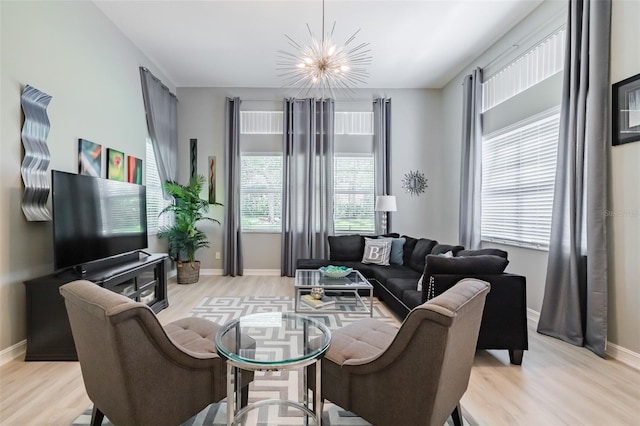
x=141 y=277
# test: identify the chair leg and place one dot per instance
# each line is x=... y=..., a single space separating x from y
x=515 y=356
x=244 y=396
x=96 y=416
x=456 y=416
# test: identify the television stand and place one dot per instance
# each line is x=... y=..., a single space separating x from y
x=49 y=337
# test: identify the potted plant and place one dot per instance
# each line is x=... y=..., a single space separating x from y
x=184 y=236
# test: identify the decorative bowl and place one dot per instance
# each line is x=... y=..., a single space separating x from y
x=335 y=271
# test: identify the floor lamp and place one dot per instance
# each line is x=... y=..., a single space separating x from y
x=385 y=204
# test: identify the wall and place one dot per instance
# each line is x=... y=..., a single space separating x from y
x=72 y=52
x=624 y=193
x=624 y=223
x=547 y=17
x=417 y=145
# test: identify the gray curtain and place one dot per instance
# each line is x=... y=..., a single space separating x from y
x=161 y=108
x=471 y=169
x=382 y=155
x=307 y=199
x=574 y=307
x=232 y=232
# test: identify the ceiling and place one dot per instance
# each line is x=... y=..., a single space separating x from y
x=211 y=43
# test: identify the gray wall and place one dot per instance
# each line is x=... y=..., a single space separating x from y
x=417 y=145
x=72 y=52
x=624 y=193
x=624 y=224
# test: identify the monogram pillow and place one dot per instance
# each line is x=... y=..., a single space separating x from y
x=377 y=251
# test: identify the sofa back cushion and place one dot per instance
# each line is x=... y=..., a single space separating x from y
x=470 y=265
x=409 y=245
x=481 y=252
x=422 y=248
x=346 y=247
x=443 y=248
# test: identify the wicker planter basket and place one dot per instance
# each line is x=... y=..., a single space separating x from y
x=188 y=272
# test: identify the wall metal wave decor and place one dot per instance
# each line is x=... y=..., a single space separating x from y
x=36 y=154
x=414 y=183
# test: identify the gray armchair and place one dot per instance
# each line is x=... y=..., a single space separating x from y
x=137 y=372
x=414 y=375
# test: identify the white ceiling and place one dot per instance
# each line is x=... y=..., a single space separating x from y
x=211 y=43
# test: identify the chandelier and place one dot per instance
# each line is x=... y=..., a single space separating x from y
x=323 y=65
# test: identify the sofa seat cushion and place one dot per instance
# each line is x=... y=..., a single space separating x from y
x=359 y=341
x=412 y=298
x=194 y=334
x=385 y=273
x=398 y=286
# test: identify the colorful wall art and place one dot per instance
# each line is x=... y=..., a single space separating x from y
x=134 y=170
x=89 y=158
x=115 y=165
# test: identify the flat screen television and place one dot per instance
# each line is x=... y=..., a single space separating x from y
x=96 y=218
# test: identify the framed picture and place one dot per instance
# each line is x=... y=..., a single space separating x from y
x=134 y=170
x=115 y=165
x=626 y=111
x=89 y=158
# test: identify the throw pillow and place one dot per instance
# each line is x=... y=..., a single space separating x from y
x=447 y=254
x=346 y=247
x=397 y=250
x=377 y=251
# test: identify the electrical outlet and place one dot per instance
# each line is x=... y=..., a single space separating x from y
x=217 y=255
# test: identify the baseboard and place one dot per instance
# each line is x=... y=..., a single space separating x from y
x=263 y=272
x=13 y=352
x=246 y=272
x=217 y=272
x=613 y=351
x=623 y=355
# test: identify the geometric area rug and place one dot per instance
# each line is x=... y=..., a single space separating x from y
x=271 y=384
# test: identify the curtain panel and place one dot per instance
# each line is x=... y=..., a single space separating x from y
x=232 y=263
x=307 y=199
x=574 y=306
x=470 y=220
x=382 y=156
x=161 y=107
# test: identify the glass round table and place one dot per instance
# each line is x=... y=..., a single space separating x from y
x=283 y=341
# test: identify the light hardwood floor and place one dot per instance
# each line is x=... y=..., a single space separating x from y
x=558 y=384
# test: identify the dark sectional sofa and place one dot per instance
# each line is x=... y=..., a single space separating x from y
x=504 y=322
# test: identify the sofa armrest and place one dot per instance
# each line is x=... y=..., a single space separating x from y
x=504 y=321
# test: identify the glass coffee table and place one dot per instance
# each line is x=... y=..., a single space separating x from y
x=342 y=294
x=283 y=341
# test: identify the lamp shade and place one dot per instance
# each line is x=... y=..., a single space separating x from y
x=385 y=203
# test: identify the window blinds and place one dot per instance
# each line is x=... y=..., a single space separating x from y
x=518 y=174
x=354 y=198
x=261 y=193
x=155 y=198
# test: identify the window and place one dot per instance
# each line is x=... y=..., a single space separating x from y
x=155 y=199
x=354 y=198
x=518 y=174
x=261 y=192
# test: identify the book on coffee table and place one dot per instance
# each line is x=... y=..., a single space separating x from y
x=324 y=302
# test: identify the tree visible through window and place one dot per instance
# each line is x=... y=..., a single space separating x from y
x=354 y=198
x=261 y=193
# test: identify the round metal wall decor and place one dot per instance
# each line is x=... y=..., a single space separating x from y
x=414 y=183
